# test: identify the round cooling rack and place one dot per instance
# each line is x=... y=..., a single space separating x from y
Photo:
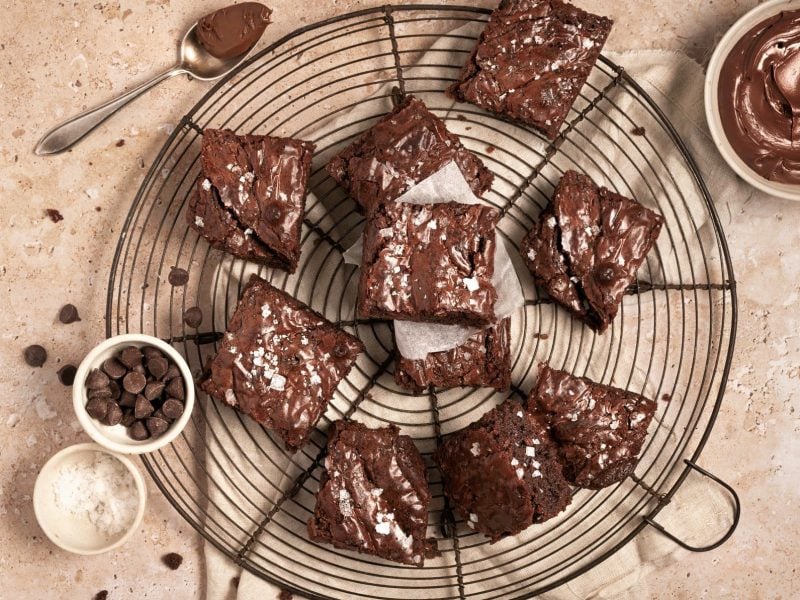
x=673 y=340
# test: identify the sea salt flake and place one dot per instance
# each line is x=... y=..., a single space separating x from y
x=345 y=503
x=537 y=473
x=520 y=473
x=278 y=382
x=530 y=451
x=475 y=449
x=514 y=462
x=473 y=518
x=230 y=397
x=471 y=283
x=265 y=312
x=520 y=414
x=199 y=221
x=377 y=492
x=386 y=232
x=315 y=379
x=383 y=528
x=206 y=185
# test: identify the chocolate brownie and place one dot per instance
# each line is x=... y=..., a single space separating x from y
x=262 y=183
x=279 y=362
x=373 y=495
x=429 y=263
x=532 y=60
x=502 y=472
x=483 y=361
x=599 y=429
x=587 y=247
x=405 y=147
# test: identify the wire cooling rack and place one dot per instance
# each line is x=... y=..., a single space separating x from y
x=234 y=483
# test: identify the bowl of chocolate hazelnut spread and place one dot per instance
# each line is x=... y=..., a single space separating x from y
x=752 y=98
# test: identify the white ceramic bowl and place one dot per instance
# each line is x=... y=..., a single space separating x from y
x=734 y=34
x=76 y=533
x=116 y=438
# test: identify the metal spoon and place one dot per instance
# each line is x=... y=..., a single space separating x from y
x=194 y=61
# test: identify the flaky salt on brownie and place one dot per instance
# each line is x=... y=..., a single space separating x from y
x=502 y=472
x=599 y=429
x=405 y=147
x=373 y=495
x=261 y=182
x=532 y=60
x=279 y=362
x=587 y=246
x=484 y=360
x=429 y=263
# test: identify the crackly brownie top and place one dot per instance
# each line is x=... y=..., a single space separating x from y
x=587 y=247
x=502 y=472
x=262 y=181
x=373 y=495
x=280 y=362
x=405 y=147
x=599 y=429
x=532 y=60
x=429 y=262
x=483 y=360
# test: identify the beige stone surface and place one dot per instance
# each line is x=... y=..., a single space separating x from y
x=60 y=57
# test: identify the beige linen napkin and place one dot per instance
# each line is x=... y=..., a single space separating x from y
x=700 y=512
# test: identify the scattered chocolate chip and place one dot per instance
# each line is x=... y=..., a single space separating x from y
x=116 y=392
x=172 y=409
x=113 y=368
x=171 y=373
x=54 y=215
x=134 y=382
x=666 y=397
x=176 y=389
x=273 y=213
x=35 y=355
x=157 y=366
x=97 y=408
x=156 y=426
x=178 y=277
x=490 y=149
x=127 y=400
x=68 y=314
x=97 y=380
x=193 y=317
x=173 y=560
x=101 y=595
x=66 y=374
x=143 y=408
x=340 y=350
x=153 y=390
x=138 y=431
x=120 y=143
x=128 y=418
x=113 y=414
x=131 y=356
x=640 y=131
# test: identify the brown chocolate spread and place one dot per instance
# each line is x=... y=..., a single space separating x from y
x=233 y=30
x=759 y=98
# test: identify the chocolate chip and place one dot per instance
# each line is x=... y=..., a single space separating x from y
x=113 y=368
x=138 y=431
x=127 y=400
x=139 y=369
x=150 y=352
x=273 y=213
x=172 y=409
x=193 y=317
x=176 y=389
x=160 y=414
x=97 y=408
x=68 y=314
x=104 y=393
x=120 y=143
x=157 y=426
x=35 y=355
x=143 y=408
x=101 y=595
x=134 y=382
x=66 y=374
x=171 y=373
x=606 y=275
x=116 y=392
x=97 y=380
x=640 y=131
x=157 y=366
x=54 y=215
x=178 y=277
x=340 y=351
x=173 y=560
x=153 y=390
x=127 y=418
x=113 y=414
x=131 y=356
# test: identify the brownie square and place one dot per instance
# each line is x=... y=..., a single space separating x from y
x=599 y=429
x=373 y=494
x=405 y=147
x=279 y=362
x=429 y=263
x=587 y=247
x=502 y=472
x=532 y=60
x=262 y=183
x=483 y=361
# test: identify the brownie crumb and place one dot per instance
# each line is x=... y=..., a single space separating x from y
x=235 y=582
x=66 y=375
x=98 y=209
x=173 y=560
x=640 y=131
x=178 y=277
x=101 y=595
x=35 y=355
x=490 y=149
x=285 y=595
x=541 y=336
x=666 y=397
x=68 y=314
x=461 y=117
x=120 y=143
x=54 y=215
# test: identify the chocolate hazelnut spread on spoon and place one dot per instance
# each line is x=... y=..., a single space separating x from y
x=233 y=30
x=759 y=98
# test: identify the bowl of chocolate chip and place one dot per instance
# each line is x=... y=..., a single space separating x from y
x=752 y=98
x=133 y=394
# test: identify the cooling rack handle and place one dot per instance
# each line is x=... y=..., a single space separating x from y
x=737 y=509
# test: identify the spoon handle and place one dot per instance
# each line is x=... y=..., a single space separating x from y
x=69 y=132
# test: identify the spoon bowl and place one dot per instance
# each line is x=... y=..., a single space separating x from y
x=202 y=65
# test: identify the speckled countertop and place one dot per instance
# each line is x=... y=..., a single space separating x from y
x=59 y=57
